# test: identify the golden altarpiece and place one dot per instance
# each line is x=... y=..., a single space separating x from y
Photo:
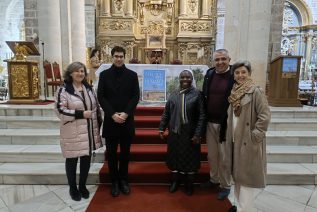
x=176 y=29
x=23 y=73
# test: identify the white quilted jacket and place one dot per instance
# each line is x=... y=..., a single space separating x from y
x=78 y=136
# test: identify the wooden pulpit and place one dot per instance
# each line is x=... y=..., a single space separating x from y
x=283 y=81
x=23 y=74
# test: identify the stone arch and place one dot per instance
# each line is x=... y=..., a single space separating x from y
x=303 y=9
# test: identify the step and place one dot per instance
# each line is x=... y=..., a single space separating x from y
x=29 y=136
x=38 y=154
x=52 y=153
x=146 y=136
x=27 y=110
x=54 y=173
x=294 y=112
x=149 y=111
x=47 y=110
x=290 y=124
x=291 y=138
x=292 y=173
x=144 y=152
x=153 y=173
x=41 y=173
x=292 y=154
x=29 y=122
x=46 y=122
x=147 y=121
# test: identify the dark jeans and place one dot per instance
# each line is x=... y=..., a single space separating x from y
x=118 y=171
x=71 y=166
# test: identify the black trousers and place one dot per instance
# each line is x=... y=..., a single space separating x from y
x=71 y=166
x=118 y=169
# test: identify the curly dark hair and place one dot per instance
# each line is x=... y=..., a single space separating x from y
x=71 y=68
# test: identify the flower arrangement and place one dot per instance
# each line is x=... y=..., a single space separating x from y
x=134 y=61
x=176 y=62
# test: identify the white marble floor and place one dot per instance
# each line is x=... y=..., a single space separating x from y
x=30 y=198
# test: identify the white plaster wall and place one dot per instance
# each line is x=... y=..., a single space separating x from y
x=247 y=31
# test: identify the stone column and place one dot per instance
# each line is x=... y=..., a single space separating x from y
x=129 y=12
x=78 y=37
x=182 y=7
x=106 y=7
x=247 y=32
x=50 y=29
x=49 y=34
x=205 y=9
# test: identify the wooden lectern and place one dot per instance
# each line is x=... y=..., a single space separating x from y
x=283 y=79
x=23 y=73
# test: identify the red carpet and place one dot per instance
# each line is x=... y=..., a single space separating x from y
x=148 y=167
x=157 y=198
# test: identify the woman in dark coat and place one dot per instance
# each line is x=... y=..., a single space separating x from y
x=185 y=116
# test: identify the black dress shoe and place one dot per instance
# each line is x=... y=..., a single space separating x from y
x=174 y=186
x=115 y=191
x=124 y=187
x=209 y=184
x=84 y=192
x=74 y=194
x=189 y=189
x=233 y=209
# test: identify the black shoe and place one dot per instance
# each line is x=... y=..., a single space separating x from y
x=84 y=192
x=224 y=193
x=189 y=188
x=74 y=194
x=233 y=209
x=174 y=186
x=209 y=184
x=115 y=191
x=124 y=187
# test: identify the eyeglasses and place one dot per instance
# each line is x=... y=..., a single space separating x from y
x=118 y=56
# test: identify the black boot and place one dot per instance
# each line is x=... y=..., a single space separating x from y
x=84 y=170
x=71 y=165
x=189 y=184
x=175 y=182
x=74 y=194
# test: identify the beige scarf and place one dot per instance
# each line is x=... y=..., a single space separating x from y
x=237 y=93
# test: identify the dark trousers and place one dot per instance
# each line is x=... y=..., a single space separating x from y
x=118 y=171
x=71 y=166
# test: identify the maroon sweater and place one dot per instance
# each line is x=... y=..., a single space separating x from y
x=217 y=96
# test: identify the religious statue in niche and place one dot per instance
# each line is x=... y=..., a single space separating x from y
x=155 y=9
x=118 y=4
x=192 y=4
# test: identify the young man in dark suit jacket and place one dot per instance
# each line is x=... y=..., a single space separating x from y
x=118 y=95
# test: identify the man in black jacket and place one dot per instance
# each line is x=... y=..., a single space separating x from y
x=118 y=95
x=217 y=86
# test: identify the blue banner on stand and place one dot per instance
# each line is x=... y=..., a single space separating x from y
x=154 y=85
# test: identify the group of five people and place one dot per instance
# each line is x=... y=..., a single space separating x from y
x=230 y=111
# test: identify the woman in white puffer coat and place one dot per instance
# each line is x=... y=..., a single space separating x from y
x=78 y=109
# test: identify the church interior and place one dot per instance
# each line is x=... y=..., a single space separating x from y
x=39 y=38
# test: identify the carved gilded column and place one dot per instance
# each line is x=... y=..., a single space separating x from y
x=308 y=38
x=205 y=9
x=129 y=8
x=106 y=7
x=182 y=8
